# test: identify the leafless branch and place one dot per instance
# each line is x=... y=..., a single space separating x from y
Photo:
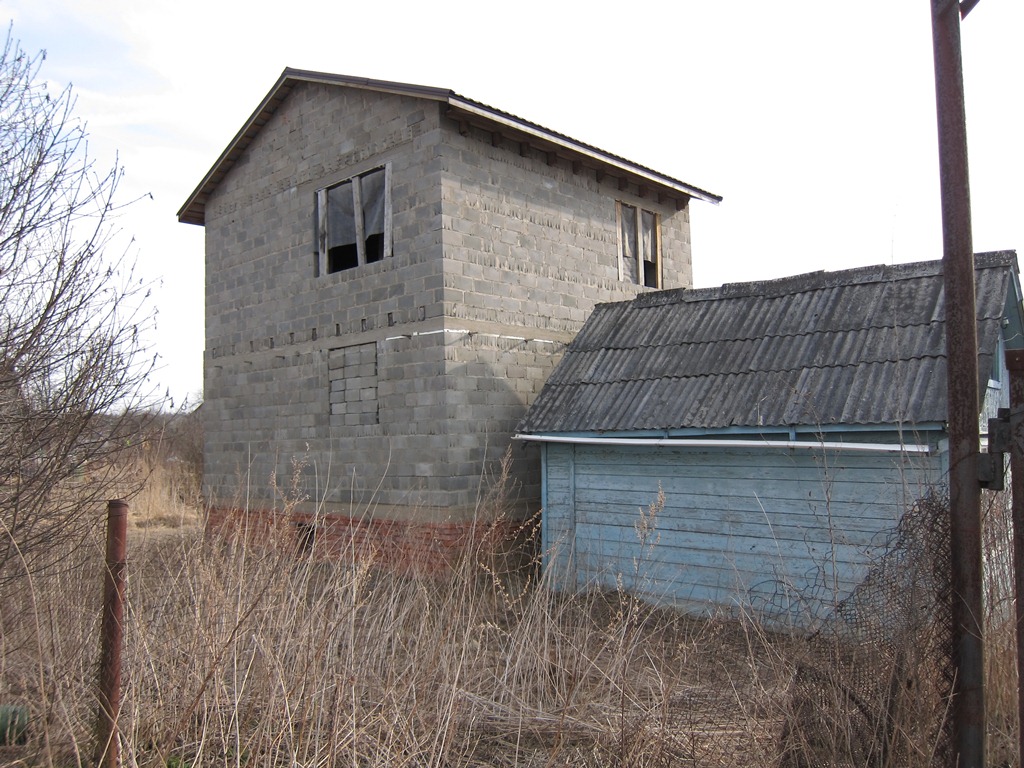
x=73 y=369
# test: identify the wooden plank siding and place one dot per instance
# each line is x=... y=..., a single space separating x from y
x=783 y=532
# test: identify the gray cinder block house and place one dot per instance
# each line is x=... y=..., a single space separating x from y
x=392 y=271
x=789 y=425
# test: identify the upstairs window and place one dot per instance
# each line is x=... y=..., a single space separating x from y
x=639 y=245
x=353 y=222
x=995 y=376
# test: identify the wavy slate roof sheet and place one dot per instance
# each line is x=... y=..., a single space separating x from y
x=859 y=347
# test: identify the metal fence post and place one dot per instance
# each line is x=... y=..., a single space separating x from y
x=107 y=746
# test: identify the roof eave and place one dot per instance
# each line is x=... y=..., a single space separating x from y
x=579 y=148
x=194 y=209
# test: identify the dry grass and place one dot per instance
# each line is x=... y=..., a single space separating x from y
x=237 y=655
x=244 y=657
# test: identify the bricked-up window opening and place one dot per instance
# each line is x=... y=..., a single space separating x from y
x=353 y=222
x=352 y=373
x=639 y=245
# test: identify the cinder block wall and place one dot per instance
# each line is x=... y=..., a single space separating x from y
x=277 y=425
x=531 y=245
x=392 y=389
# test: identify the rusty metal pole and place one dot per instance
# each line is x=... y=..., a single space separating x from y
x=964 y=404
x=107 y=746
x=1015 y=365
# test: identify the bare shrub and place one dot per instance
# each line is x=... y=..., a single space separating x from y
x=72 y=368
x=1000 y=630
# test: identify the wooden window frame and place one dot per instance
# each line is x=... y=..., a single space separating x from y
x=322 y=263
x=995 y=377
x=637 y=234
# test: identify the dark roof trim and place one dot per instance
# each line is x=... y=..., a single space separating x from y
x=194 y=209
x=574 y=147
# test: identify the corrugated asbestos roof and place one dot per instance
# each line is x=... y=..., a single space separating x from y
x=859 y=347
x=460 y=107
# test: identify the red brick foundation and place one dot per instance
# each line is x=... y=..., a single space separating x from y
x=404 y=546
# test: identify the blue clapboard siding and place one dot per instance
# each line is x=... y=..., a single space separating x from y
x=785 y=532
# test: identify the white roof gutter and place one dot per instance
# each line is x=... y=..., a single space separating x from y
x=730 y=443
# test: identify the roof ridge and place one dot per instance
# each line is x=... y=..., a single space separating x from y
x=819 y=279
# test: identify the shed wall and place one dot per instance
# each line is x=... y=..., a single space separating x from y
x=786 y=533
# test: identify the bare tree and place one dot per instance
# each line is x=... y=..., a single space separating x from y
x=72 y=365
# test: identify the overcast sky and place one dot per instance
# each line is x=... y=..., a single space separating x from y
x=814 y=119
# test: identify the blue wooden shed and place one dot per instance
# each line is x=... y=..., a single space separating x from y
x=753 y=446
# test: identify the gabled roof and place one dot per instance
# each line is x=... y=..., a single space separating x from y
x=859 y=347
x=466 y=111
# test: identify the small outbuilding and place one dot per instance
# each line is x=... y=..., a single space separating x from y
x=754 y=446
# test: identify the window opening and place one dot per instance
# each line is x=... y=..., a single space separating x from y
x=629 y=248
x=639 y=245
x=354 y=222
x=648 y=248
x=995 y=376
